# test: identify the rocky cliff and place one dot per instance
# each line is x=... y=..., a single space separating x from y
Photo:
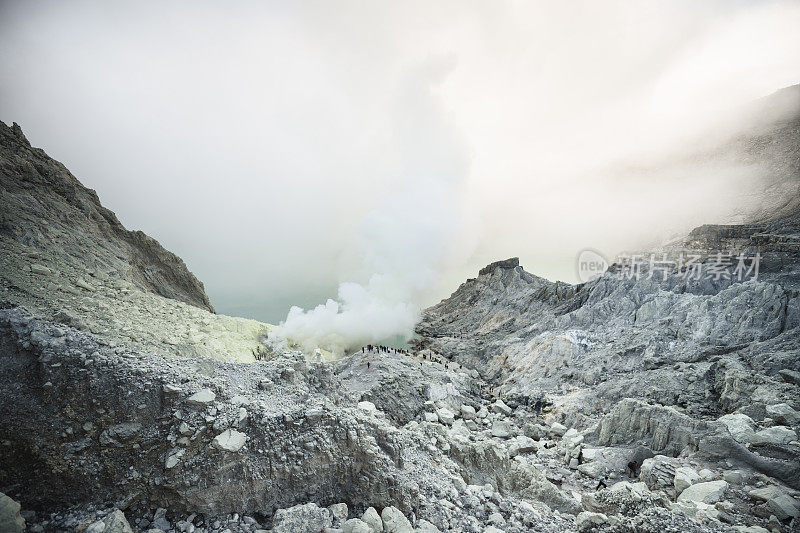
x=50 y=218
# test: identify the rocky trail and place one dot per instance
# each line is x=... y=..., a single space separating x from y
x=626 y=404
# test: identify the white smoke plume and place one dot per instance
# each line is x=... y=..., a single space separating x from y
x=404 y=240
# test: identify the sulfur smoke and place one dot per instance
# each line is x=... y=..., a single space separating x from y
x=403 y=241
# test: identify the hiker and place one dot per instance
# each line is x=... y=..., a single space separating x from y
x=367 y=365
x=632 y=468
x=362 y=349
x=601 y=483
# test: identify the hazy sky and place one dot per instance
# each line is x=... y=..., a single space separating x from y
x=281 y=148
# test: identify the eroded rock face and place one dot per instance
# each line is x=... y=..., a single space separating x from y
x=42 y=203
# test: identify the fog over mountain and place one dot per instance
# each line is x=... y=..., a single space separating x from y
x=285 y=149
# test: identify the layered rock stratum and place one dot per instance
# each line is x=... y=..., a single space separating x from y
x=127 y=404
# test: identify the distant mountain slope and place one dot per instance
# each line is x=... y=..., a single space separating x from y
x=45 y=211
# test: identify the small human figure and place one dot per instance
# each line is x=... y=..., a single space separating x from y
x=367 y=365
x=632 y=468
x=601 y=483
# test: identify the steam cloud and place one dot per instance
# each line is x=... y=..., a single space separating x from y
x=404 y=240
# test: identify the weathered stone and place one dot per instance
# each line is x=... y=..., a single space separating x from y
x=367 y=406
x=308 y=517
x=423 y=526
x=338 y=513
x=685 y=477
x=740 y=426
x=446 y=416
x=502 y=429
x=708 y=492
x=41 y=270
x=395 y=521
x=783 y=506
x=355 y=525
x=229 y=440
x=373 y=520
x=117 y=523
x=467 y=412
x=10 y=520
x=500 y=407
x=202 y=397
x=587 y=520
x=774 y=435
x=783 y=413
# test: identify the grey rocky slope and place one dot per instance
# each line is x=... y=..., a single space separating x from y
x=128 y=405
x=49 y=215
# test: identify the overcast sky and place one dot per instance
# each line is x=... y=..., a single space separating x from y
x=281 y=148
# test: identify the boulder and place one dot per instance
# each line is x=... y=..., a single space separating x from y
x=229 y=440
x=764 y=493
x=501 y=429
x=307 y=517
x=657 y=472
x=339 y=513
x=500 y=407
x=740 y=426
x=117 y=523
x=783 y=413
x=587 y=520
x=685 y=477
x=373 y=520
x=394 y=521
x=10 y=520
x=708 y=492
x=733 y=477
x=446 y=416
x=558 y=430
x=775 y=435
x=41 y=270
x=355 y=525
x=467 y=412
x=202 y=397
x=783 y=506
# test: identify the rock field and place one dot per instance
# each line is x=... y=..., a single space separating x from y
x=128 y=405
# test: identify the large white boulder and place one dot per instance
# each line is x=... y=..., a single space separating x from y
x=587 y=520
x=373 y=520
x=467 y=412
x=501 y=429
x=307 y=517
x=229 y=440
x=685 y=477
x=355 y=525
x=446 y=416
x=708 y=492
x=394 y=521
x=500 y=407
x=202 y=397
x=740 y=426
